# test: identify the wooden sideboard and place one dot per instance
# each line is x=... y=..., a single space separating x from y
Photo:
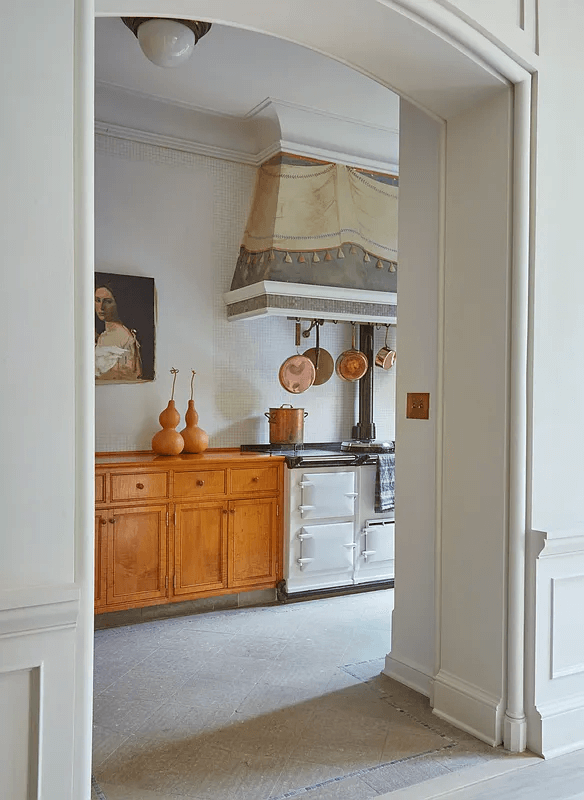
x=172 y=528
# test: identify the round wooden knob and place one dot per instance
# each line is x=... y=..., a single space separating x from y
x=232 y=511
x=103 y=521
x=225 y=511
x=139 y=486
x=256 y=479
x=200 y=483
x=112 y=520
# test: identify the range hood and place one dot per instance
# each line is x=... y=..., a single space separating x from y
x=321 y=241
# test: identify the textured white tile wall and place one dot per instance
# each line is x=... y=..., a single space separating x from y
x=179 y=217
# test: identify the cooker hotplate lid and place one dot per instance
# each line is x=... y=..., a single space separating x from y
x=357 y=446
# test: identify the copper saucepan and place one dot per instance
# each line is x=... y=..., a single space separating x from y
x=297 y=373
x=386 y=356
x=352 y=364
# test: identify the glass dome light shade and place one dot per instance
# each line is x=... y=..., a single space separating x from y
x=166 y=42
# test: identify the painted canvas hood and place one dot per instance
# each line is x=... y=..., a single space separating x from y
x=321 y=240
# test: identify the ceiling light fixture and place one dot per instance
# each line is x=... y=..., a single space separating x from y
x=166 y=42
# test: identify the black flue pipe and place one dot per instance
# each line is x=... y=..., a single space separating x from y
x=365 y=427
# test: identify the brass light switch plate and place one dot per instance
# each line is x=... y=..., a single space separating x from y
x=418 y=405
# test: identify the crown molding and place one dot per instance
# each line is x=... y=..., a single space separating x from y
x=337 y=157
x=273 y=101
x=252 y=159
x=174 y=143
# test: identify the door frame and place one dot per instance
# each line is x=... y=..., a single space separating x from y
x=449 y=27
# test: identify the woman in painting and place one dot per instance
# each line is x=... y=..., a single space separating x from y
x=117 y=350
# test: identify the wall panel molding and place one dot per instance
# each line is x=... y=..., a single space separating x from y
x=29 y=611
x=567 y=634
x=38 y=630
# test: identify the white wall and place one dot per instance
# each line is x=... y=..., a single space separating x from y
x=179 y=218
x=476 y=420
x=42 y=623
x=412 y=649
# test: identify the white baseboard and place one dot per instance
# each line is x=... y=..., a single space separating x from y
x=562 y=726
x=408 y=673
x=469 y=708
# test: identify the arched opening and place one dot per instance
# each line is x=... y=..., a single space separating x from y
x=456 y=470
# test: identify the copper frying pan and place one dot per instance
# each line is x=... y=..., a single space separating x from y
x=297 y=373
x=322 y=360
x=352 y=364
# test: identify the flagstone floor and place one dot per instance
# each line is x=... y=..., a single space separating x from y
x=273 y=702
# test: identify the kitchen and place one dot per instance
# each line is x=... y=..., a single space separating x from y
x=186 y=235
x=197 y=216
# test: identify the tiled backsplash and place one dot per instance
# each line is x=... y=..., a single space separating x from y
x=179 y=217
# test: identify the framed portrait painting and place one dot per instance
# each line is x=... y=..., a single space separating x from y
x=124 y=328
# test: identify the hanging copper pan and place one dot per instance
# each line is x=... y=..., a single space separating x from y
x=297 y=373
x=385 y=358
x=322 y=360
x=352 y=364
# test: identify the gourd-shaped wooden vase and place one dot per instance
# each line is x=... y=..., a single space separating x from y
x=168 y=441
x=195 y=438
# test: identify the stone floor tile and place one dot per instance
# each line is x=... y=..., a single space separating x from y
x=105 y=742
x=403 y=773
x=252 y=703
x=115 y=792
x=350 y=788
x=299 y=774
x=405 y=738
x=123 y=715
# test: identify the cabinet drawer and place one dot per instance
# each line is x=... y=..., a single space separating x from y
x=199 y=483
x=100 y=488
x=139 y=486
x=254 y=479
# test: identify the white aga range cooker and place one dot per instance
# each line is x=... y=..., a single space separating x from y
x=332 y=535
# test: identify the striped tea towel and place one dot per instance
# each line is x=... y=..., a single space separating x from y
x=385 y=483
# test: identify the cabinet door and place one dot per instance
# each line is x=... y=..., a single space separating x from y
x=100 y=536
x=137 y=545
x=253 y=537
x=200 y=547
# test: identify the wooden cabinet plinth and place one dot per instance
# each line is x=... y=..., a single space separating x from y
x=184 y=527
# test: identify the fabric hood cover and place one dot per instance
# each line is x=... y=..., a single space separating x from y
x=308 y=219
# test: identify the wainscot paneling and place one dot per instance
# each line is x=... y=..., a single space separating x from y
x=555 y=652
x=37 y=682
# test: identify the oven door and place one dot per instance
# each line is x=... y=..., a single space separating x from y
x=327 y=494
x=321 y=556
x=375 y=555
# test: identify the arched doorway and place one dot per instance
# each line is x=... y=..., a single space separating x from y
x=463 y=474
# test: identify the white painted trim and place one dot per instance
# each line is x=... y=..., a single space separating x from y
x=410 y=674
x=515 y=724
x=173 y=143
x=25 y=612
x=560 y=542
x=338 y=157
x=562 y=724
x=253 y=159
x=273 y=101
x=309 y=293
x=84 y=249
x=485 y=709
x=439 y=403
x=309 y=290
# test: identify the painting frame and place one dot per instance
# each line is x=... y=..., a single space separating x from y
x=125 y=328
